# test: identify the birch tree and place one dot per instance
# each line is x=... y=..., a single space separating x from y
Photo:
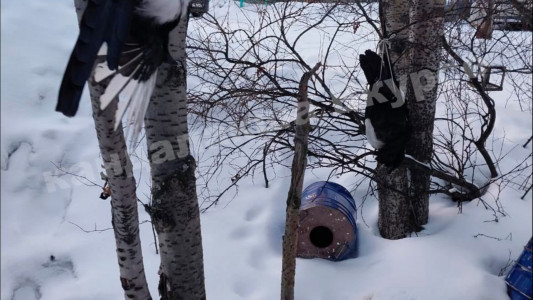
x=174 y=208
x=123 y=187
x=393 y=217
x=426 y=29
x=412 y=30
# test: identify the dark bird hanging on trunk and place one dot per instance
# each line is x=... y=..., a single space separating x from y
x=128 y=40
x=386 y=115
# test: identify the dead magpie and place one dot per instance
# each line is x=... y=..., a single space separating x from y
x=386 y=115
x=128 y=39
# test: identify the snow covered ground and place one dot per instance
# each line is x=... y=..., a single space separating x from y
x=43 y=211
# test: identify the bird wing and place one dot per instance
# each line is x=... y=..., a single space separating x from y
x=132 y=82
x=129 y=47
x=386 y=124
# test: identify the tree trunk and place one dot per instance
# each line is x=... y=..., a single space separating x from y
x=294 y=198
x=174 y=208
x=413 y=28
x=427 y=26
x=393 y=217
x=120 y=178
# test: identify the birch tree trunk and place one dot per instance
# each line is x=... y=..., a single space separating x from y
x=427 y=27
x=393 y=217
x=414 y=28
x=174 y=209
x=120 y=178
x=294 y=198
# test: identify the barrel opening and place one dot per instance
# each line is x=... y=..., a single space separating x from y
x=321 y=236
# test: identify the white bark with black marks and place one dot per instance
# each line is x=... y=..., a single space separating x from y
x=119 y=173
x=174 y=208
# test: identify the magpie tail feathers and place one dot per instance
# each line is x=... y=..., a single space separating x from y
x=137 y=105
x=101 y=21
x=80 y=64
x=69 y=95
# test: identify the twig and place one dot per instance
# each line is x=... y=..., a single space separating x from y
x=474 y=191
x=489 y=102
x=78 y=177
x=155 y=240
x=527 y=142
x=100 y=230
x=527 y=191
x=91 y=231
x=508 y=237
x=507 y=265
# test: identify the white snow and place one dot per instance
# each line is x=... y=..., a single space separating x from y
x=41 y=208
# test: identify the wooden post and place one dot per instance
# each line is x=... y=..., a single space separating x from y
x=295 y=191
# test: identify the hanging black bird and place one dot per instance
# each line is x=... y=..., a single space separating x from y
x=129 y=39
x=386 y=115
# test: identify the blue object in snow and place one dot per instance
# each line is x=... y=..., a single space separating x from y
x=327 y=227
x=519 y=280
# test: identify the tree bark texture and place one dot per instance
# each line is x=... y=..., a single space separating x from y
x=413 y=28
x=426 y=29
x=294 y=197
x=120 y=178
x=174 y=208
x=393 y=217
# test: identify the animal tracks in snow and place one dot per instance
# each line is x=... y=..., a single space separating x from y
x=240 y=233
x=254 y=212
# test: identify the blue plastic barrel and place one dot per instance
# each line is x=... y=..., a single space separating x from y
x=519 y=280
x=327 y=226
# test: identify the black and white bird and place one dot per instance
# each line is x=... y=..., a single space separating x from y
x=386 y=115
x=129 y=39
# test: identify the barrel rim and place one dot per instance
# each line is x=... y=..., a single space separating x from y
x=329 y=185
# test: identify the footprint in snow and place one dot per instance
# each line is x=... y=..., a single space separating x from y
x=253 y=213
x=240 y=233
